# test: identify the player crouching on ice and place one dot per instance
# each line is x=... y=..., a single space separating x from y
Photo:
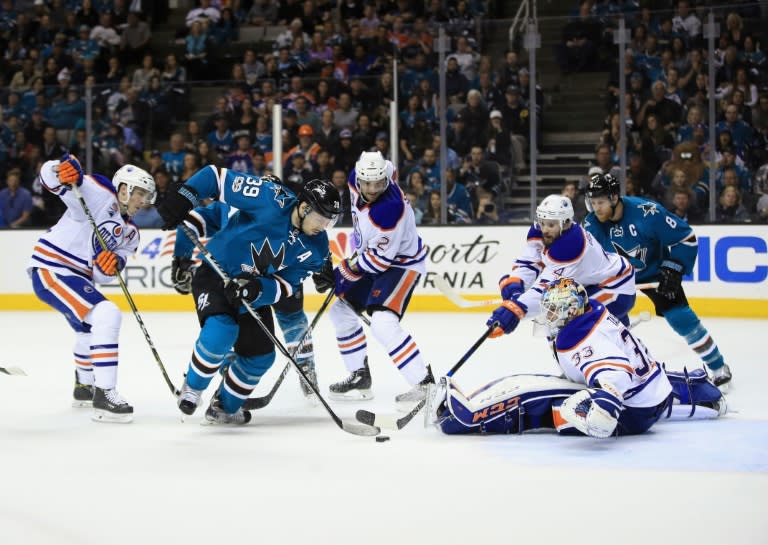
x=69 y=260
x=612 y=385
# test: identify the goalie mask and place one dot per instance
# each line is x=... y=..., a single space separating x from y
x=134 y=177
x=563 y=300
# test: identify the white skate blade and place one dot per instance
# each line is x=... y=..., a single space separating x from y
x=82 y=404
x=100 y=415
x=352 y=395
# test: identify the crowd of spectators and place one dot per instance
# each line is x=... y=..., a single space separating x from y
x=667 y=94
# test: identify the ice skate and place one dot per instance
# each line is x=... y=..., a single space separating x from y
x=308 y=369
x=407 y=400
x=82 y=395
x=356 y=386
x=216 y=415
x=721 y=377
x=109 y=406
x=189 y=399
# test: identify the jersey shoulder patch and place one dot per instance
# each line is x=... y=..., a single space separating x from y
x=534 y=233
x=580 y=328
x=388 y=209
x=104 y=182
x=569 y=246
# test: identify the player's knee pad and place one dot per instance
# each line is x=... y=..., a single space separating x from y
x=682 y=319
x=385 y=325
x=344 y=319
x=292 y=324
x=105 y=319
x=216 y=337
x=692 y=390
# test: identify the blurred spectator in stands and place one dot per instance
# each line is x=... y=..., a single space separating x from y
x=743 y=83
x=259 y=163
x=571 y=190
x=430 y=168
x=174 y=76
x=174 y=158
x=655 y=140
x=681 y=207
x=695 y=118
x=141 y=75
x=245 y=118
x=262 y=12
x=323 y=165
x=15 y=201
x=382 y=92
x=752 y=57
x=640 y=172
x=263 y=136
x=327 y=134
x=453 y=159
x=668 y=112
x=205 y=13
x=35 y=128
x=727 y=167
x=191 y=165
x=299 y=169
x=226 y=30
x=253 y=68
x=418 y=213
x=196 y=51
x=499 y=147
x=525 y=90
x=603 y=158
x=106 y=35
x=508 y=70
x=475 y=116
x=345 y=156
x=156 y=97
x=467 y=58
x=432 y=212
x=306 y=145
x=415 y=132
x=115 y=72
x=417 y=69
x=476 y=171
x=457 y=195
x=515 y=118
x=364 y=134
x=735 y=30
x=206 y=156
x=416 y=184
x=240 y=158
x=456 y=83
x=381 y=144
x=194 y=135
x=22 y=79
x=741 y=132
x=293 y=30
x=345 y=116
x=487 y=211
x=686 y=22
x=319 y=51
x=729 y=208
x=221 y=139
x=361 y=99
x=577 y=50
x=135 y=38
x=745 y=112
x=339 y=179
x=155 y=162
x=761 y=192
x=457 y=136
x=490 y=94
x=686 y=157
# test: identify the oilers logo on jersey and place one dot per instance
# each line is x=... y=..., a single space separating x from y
x=112 y=233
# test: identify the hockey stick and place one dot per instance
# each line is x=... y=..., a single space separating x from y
x=253 y=403
x=354 y=428
x=12 y=371
x=127 y=294
x=462 y=302
x=392 y=421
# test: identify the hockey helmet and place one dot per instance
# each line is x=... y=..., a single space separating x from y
x=555 y=207
x=133 y=177
x=371 y=173
x=563 y=300
x=603 y=185
x=323 y=198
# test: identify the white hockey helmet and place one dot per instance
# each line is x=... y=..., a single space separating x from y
x=371 y=167
x=133 y=177
x=563 y=300
x=555 y=207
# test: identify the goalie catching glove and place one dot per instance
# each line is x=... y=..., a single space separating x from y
x=182 y=269
x=595 y=411
x=108 y=263
x=70 y=171
x=242 y=289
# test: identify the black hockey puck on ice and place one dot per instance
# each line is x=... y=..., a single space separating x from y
x=382 y=438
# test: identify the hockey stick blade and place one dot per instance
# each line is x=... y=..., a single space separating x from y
x=12 y=371
x=389 y=421
x=451 y=294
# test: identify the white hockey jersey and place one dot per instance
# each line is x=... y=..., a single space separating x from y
x=385 y=231
x=70 y=246
x=597 y=347
x=574 y=254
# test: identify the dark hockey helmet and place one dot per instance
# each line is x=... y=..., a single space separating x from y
x=603 y=185
x=271 y=178
x=323 y=198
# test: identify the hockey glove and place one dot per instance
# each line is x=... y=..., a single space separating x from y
x=271 y=178
x=671 y=277
x=108 y=263
x=345 y=276
x=242 y=290
x=70 y=171
x=182 y=269
x=594 y=412
x=508 y=316
x=176 y=205
x=324 y=278
x=510 y=287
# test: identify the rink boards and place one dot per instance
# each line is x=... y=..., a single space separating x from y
x=730 y=278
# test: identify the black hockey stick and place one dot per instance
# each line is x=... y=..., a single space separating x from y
x=354 y=428
x=12 y=371
x=127 y=294
x=253 y=403
x=391 y=421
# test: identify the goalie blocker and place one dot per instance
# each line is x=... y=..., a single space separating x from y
x=527 y=402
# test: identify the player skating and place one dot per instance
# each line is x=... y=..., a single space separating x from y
x=662 y=247
x=268 y=247
x=69 y=260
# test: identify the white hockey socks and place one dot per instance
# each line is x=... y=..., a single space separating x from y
x=105 y=319
x=350 y=336
x=82 y=358
x=400 y=346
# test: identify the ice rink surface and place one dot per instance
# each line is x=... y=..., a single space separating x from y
x=292 y=477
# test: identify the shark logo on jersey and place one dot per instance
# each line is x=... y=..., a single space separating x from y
x=280 y=195
x=636 y=256
x=265 y=260
x=648 y=209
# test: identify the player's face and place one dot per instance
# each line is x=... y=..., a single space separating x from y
x=372 y=190
x=550 y=230
x=315 y=223
x=602 y=208
x=139 y=199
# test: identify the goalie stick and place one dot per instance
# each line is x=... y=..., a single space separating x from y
x=390 y=421
x=462 y=302
x=12 y=371
x=355 y=428
x=253 y=403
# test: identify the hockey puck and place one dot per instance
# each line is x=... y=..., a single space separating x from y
x=382 y=438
